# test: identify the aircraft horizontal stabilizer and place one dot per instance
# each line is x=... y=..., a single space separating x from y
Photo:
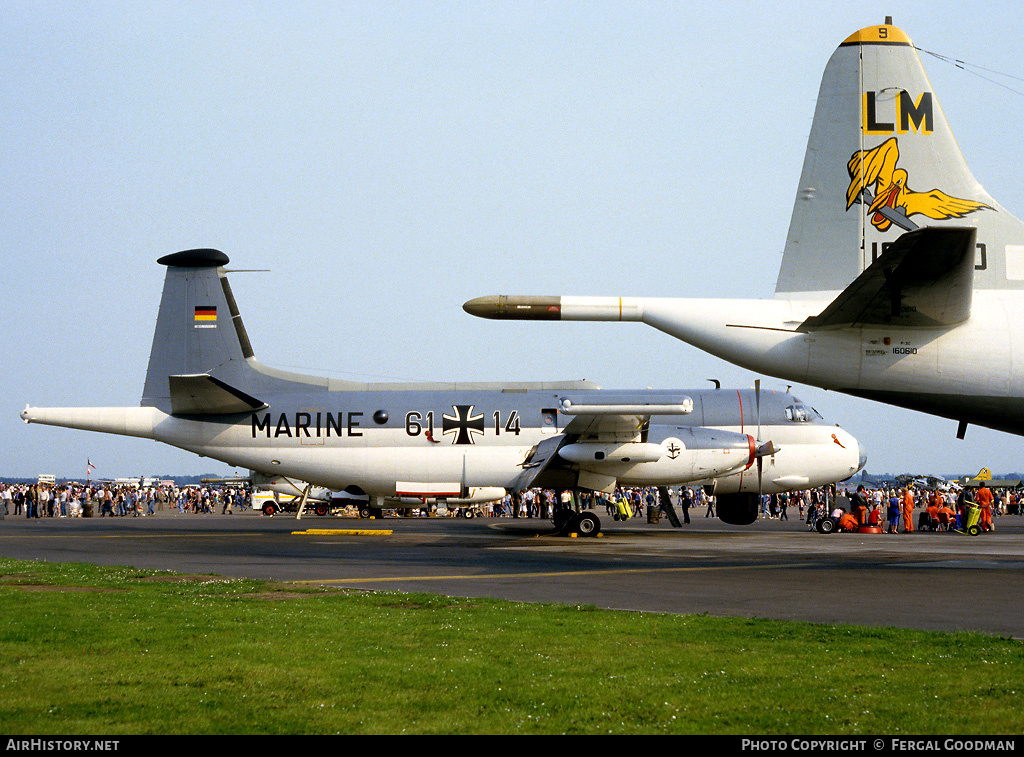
x=202 y=394
x=923 y=279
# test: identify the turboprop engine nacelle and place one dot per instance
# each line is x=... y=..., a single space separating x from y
x=690 y=454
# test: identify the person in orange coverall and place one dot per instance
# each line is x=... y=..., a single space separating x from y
x=859 y=505
x=932 y=512
x=908 y=511
x=984 y=500
x=847 y=522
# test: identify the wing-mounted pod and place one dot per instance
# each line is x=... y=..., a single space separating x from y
x=628 y=404
x=619 y=416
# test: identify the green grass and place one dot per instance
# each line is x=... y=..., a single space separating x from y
x=93 y=650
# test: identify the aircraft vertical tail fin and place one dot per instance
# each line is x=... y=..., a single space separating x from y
x=200 y=356
x=881 y=160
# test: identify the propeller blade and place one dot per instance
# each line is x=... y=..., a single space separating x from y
x=757 y=400
x=760 y=457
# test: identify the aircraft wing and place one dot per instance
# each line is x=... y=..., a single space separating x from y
x=925 y=278
x=618 y=419
x=610 y=428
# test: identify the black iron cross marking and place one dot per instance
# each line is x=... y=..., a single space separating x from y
x=462 y=424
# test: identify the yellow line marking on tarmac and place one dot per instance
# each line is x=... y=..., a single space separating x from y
x=346 y=531
x=551 y=574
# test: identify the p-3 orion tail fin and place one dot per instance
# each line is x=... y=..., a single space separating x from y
x=882 y=162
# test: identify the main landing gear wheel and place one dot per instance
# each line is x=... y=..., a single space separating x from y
x=587 y=524
x=584 y=524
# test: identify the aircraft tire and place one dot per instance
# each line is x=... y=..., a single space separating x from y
x=468 y=513
x=364 y=512
x=587 y=524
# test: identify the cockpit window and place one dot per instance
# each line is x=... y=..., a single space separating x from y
x=802 y=413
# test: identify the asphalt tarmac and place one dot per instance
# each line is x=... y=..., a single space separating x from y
x=771 y=569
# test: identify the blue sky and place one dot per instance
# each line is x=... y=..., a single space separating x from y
x=389 y=161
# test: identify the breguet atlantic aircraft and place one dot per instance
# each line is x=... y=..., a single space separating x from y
x=399 y=444
x=902 y=280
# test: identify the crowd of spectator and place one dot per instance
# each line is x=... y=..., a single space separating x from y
x=71 y=500
x=894 y=510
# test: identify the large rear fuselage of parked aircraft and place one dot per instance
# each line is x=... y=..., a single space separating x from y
x=902 y=280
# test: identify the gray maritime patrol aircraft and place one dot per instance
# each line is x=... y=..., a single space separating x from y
x=402 y=444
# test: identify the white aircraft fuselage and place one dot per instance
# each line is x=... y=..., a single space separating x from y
x=338 y=450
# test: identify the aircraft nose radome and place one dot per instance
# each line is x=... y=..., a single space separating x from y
x=852 y=453
x=846 y=439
